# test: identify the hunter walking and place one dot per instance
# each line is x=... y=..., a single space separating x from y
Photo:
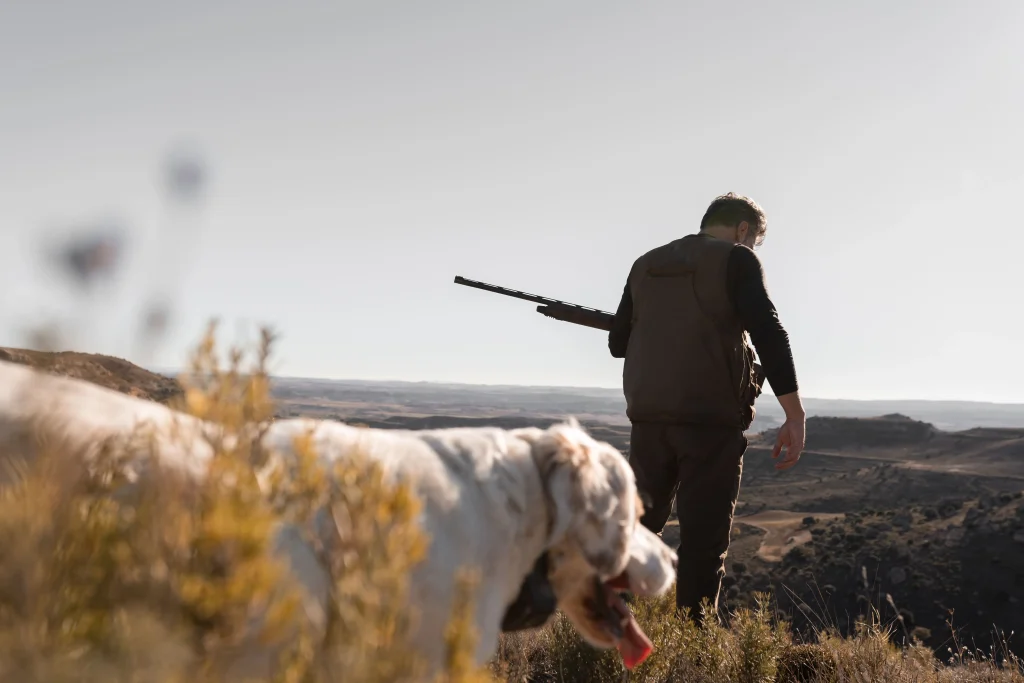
x=688 y=313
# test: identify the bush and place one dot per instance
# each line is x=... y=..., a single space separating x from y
x=105 y=576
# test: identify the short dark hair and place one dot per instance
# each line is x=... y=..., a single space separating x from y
x=731 y=209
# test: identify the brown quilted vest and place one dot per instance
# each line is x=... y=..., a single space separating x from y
x=688 y=360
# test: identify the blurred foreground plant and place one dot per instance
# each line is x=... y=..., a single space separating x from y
x=109 y=576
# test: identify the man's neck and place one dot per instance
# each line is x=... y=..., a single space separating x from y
x=720 y=232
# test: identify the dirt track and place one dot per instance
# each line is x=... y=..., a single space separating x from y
x=783 y=531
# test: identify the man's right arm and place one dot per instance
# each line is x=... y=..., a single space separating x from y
x=622 y=325
x=754 y=307
x=758 y=315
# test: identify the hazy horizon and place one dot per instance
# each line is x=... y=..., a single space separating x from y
x=358 y=399
x=360 y=155
x=765 y=397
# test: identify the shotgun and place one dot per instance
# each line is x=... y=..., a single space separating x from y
x=552 y=308
x=576 y=314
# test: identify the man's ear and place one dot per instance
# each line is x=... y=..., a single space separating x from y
x=742 y=231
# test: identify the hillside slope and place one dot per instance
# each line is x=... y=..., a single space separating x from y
x=959 y=561
x=106 y=371
x=886 y=506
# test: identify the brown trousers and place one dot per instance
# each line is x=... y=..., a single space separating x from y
x=700 y=467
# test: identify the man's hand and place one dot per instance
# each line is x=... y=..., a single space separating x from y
x=792 y=433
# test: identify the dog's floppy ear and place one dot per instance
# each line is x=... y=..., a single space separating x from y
x=585 y=497
x=556 y=457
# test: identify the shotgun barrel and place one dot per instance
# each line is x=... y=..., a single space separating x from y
x=552 y=308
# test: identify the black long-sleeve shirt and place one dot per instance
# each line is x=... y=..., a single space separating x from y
x=755 y=310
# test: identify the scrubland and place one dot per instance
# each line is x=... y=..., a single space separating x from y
x=109 y=577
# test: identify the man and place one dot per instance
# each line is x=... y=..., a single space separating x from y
x=690 y=382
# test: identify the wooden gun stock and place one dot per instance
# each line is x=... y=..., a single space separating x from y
x=597 y=319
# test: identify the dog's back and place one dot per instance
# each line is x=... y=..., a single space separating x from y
x=483 y=510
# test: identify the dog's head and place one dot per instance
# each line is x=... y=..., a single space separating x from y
x=596 y=545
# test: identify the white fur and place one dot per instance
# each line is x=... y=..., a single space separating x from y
x=493 y=499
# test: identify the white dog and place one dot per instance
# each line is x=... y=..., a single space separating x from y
x=493 y=500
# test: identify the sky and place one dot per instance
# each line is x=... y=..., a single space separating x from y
x=359 y=155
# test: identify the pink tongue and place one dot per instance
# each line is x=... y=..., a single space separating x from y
x=634 y=646
x=620 y=582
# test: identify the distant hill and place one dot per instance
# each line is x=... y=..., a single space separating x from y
x=106 y=371
x=913 y=445
x=843 y=433
x=379 y=399
x=945 y=415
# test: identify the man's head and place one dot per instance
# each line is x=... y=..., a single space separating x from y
x=735 y=218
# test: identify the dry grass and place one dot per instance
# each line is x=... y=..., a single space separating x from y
x=754 y=647
x=108 y=578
